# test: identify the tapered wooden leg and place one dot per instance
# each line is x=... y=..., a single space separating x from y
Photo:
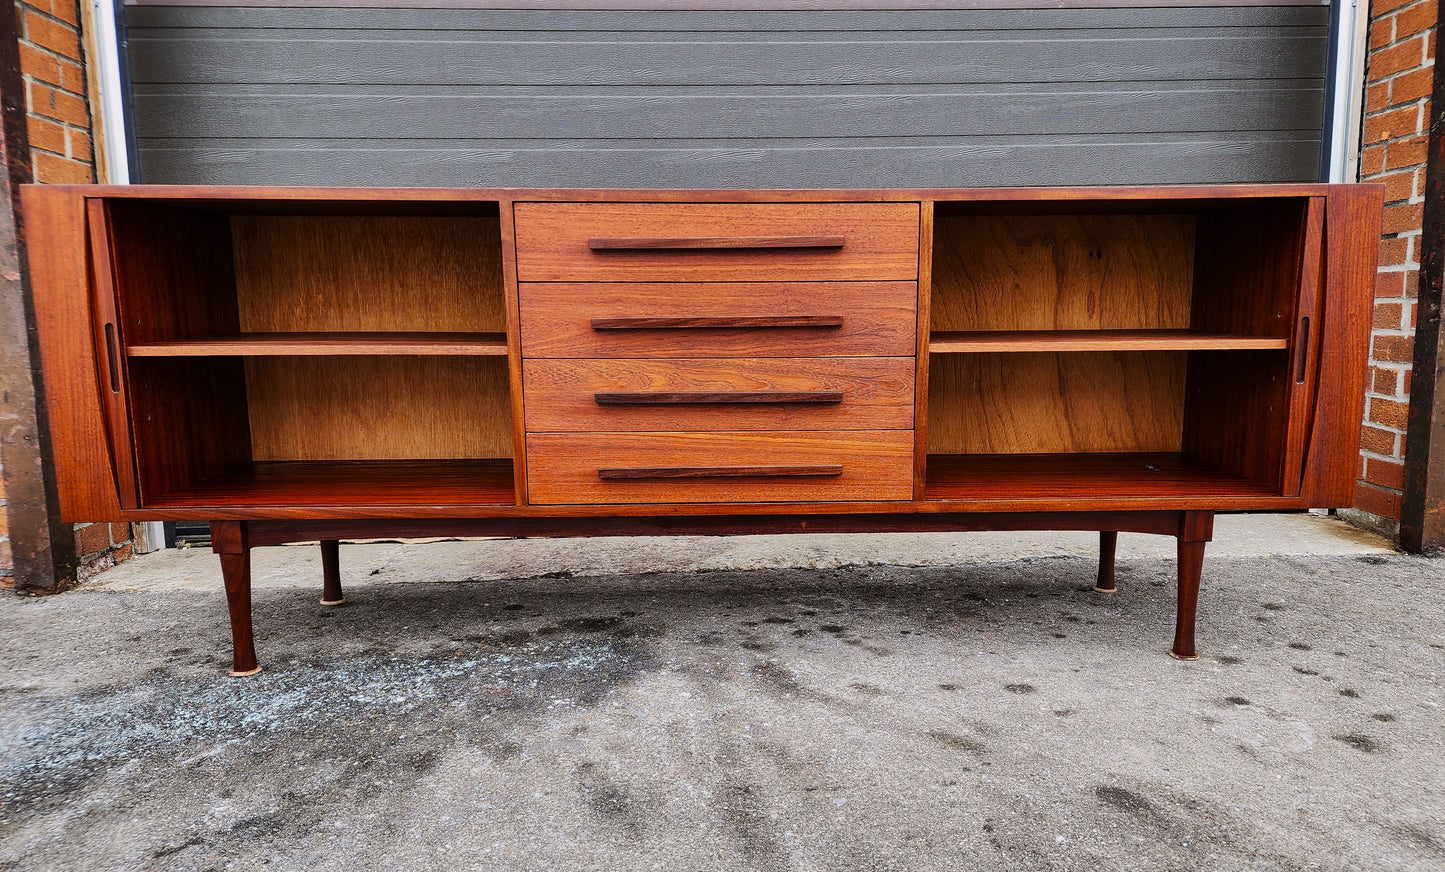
x=331 y=594
x=1107 y=540
x=1195 y=532
x=228 y=539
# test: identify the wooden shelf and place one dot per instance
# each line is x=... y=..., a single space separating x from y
x=1080 y=476
x=329 y=344
x=993 y=341
x=351 y=483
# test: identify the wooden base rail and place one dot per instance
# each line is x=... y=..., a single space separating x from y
x=233 y=541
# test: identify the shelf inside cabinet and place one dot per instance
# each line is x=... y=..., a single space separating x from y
x=993 y=341
x=1081 y=476
x=328 y=344
x=350 y=483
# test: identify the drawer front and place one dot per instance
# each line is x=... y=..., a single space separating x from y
x=861 y=393
x=632 y=468
x=763 y=319
x=699 y=242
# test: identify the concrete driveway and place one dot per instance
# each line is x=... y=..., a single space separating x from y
x=829 y=703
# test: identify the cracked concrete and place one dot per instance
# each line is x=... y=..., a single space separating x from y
x=903 y=702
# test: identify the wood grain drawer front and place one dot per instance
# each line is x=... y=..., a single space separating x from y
x=867 y=393
x=709 y=319
x=730 y=467
x=699 y=242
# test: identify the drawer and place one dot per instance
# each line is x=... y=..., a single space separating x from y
x=699 y=242
x=731 y=467
x=858 y=393
x=711 y=319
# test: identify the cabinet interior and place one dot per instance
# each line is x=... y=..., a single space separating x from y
x=1080 y=348
x=295 y=352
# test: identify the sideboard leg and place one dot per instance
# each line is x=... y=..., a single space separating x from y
x=1107 y=540
x=228 y=539
x=1196 y=529
x=331 y=594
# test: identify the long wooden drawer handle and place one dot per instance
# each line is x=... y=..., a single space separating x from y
x=653 y=472
x=721 y=322
x=719 y=398
x=707 y=243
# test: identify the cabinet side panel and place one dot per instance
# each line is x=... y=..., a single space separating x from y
x=1353 y=215
x=59 y=279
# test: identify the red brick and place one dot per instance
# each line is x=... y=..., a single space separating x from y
x=40 y=64
x=72 y=77
x=61 y=171
x=1377 y=440
x=1404 y=55
x=1393 y=250
x=1387 y=316
x=1393 y=349
x=1383 y=7
x=1372 y=160
x=79 y=143
x=7 y=562
x=1377 y=97
x=45 y=135
x=1385 y=473
x=122 y=554
x=1377 y=501
x=1382 y=32
x=1389 y=285
x=1404 y=218
x=57 y=104
x=1391 y=413
x=89 y=540
x=66 y=40
x=66 y=10
x=1407 y=153
x=4 y=523
x=1398 y=186
x=1405 y=388
x=120 y=533
x=1384 y=381
x=1408 y=21
x=1393 y=124
x=1411 y=283
x=1411 y=86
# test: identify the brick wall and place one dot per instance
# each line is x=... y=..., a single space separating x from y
x=59 y=123
x=1398 y=73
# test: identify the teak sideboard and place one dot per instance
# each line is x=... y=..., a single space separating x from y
x=296 y=364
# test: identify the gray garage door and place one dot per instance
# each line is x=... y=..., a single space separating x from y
x=727 y=99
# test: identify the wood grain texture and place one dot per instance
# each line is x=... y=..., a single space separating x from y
x=1353 y=215
x=1236 y=412
x=378 y=408
x=878 y=318
x=1081 y=477
x=369 y=274
x=877 y=394
x=57 y=260
x=1304 y=347
x=1015 y=341
x=330 y=345
x=1080 y=402
x=881 y=241
x=922 y=323
x=188 y=420
x=354 y=485
x=1062 y=272
x=106 y=324
x=563 y=468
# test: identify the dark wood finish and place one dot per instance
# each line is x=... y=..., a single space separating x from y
x=1305 y=347
x=184 y=435
x=705 y=243
x=1081 y=478
x=873 y=393
x=750 y=322
x=331 y=593
x=512 y=303
x=229 y=539
x=562 y=467
x=1015 y=341
x=650 y=473
x=329 y=344
x=347 y=483
x=560 y=320
x=1196 y=529
x=743 y=5
x=113 y=378
x=1108 y=540
x=552 y=241
x=717 y=398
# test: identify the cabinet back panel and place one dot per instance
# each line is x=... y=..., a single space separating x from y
x=378 y=408
x=1062 y=272
x=371 y=274
x=1048 y=403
